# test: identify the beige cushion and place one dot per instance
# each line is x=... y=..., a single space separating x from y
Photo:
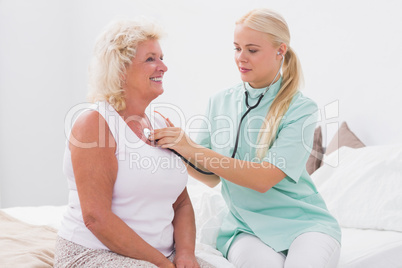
x=344 y=137
x=314 y=160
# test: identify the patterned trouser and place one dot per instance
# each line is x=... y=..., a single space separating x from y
x=69 y=254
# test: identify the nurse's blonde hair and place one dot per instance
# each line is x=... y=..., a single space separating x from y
x=114 y=50
x=275 y=26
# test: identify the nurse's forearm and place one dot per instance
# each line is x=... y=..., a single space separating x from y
x=257 y=176
x=209 y=180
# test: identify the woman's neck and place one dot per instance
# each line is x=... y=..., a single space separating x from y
x=135 y=106
x=136 y=120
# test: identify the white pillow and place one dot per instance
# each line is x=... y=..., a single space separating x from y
x=363 y=187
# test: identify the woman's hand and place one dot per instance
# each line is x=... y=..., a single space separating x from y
x=167 y=264
x=186 y=261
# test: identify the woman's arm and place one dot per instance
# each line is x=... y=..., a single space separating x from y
x=257 y=176
x=184 y=231
x=95 y=171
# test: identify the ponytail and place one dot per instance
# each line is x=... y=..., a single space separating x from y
x=291 y=81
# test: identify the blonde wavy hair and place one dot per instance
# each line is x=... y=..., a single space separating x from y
x=275 y=26
x=113 y=53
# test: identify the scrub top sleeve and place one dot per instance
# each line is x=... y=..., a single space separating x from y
x=294 y=141
x=203 y=137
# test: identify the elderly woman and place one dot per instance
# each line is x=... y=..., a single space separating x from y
x=122 y=213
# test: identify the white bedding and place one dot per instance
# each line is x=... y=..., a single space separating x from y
x=370 y=249
x=360 y=248
x=362 y=188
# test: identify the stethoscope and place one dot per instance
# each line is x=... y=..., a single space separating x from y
x=147 y=132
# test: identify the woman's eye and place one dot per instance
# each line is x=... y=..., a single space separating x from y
x=252 y=50
x=237 y=49
x=150 y=59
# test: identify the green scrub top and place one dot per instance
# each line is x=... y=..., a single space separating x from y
x=293 y=206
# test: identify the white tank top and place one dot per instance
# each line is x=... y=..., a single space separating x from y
x=148 y=182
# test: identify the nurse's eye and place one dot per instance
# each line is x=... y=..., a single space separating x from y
x=237 y=49
x=252 y=50
x=150 y=59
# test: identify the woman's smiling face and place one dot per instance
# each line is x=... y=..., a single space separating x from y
x=145 y=73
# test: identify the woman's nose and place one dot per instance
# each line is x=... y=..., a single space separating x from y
x=163 y=67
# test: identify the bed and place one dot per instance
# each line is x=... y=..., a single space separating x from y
x=28 y=234
x=362 y=186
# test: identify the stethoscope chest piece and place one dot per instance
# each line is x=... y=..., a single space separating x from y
x=147 y=132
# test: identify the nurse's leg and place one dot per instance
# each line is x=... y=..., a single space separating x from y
x=315 y=250
x=249 y=251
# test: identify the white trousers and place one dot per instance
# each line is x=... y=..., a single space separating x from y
x=312 y=250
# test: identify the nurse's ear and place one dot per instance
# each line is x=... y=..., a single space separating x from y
x=282 y=49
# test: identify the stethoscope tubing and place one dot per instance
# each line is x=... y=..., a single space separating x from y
x=191 y=164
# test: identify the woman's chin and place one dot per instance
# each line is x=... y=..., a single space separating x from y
x=158 y=92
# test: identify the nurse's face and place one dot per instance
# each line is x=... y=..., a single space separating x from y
x=255 y=56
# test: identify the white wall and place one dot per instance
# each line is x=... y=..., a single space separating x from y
x=35 y=92
x=349 y=51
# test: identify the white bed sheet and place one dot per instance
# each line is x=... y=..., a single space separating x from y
x=370 y=249
x=360 y=248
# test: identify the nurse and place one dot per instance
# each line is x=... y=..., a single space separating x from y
x=276 y=216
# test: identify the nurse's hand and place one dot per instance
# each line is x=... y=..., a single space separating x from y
x=173 y=138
